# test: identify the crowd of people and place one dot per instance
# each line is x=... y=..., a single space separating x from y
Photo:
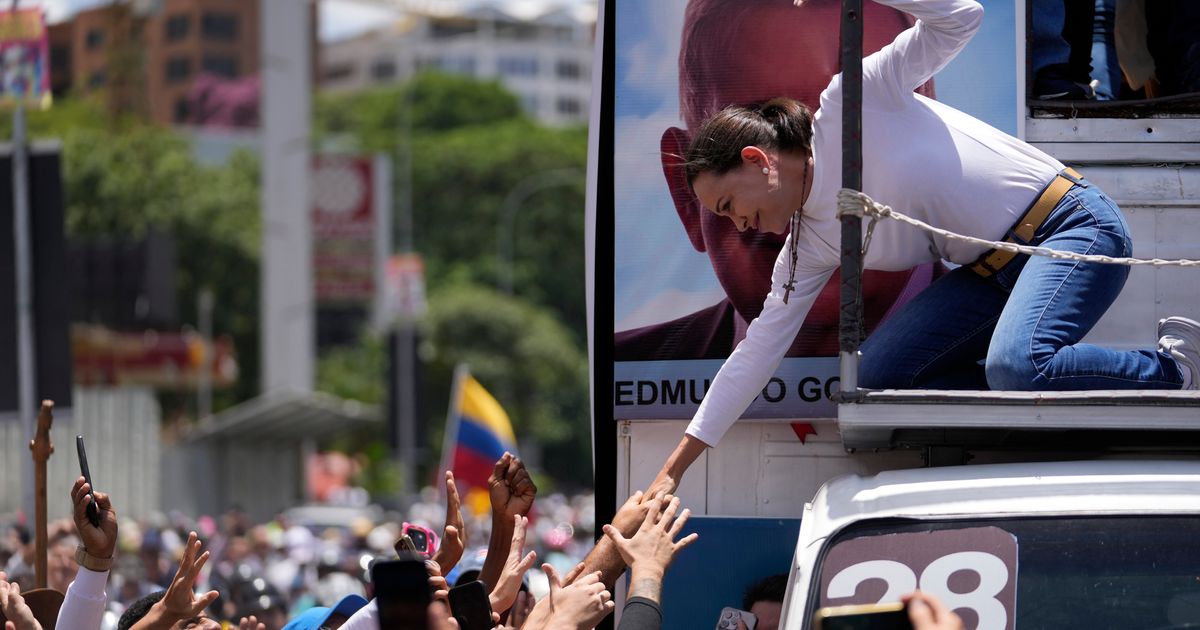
x=230 y=574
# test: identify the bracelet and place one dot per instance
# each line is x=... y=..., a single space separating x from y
x=90 y=562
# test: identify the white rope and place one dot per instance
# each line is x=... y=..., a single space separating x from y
x=855 y=203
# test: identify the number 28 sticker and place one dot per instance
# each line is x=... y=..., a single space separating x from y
x=972 y=570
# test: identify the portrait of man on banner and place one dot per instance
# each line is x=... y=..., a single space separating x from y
x=687 y=282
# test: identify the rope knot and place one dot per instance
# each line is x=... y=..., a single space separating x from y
x=856 y=203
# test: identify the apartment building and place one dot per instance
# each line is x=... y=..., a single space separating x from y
x=544 y=57
x=146 y=54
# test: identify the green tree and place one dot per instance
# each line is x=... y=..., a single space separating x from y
x=525 y=357
x=440 y=102
x=471 y=149
x=519 y=351
x=143 y=178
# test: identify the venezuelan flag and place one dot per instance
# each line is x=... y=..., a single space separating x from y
x=479 y=434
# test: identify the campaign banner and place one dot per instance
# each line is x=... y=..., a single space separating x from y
x=24 y=58
x=686 y=282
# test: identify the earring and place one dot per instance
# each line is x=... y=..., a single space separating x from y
x=766 y=171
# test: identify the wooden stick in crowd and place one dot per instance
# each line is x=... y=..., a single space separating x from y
x=42 y=447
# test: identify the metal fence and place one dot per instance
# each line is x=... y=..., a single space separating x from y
x=122 y=427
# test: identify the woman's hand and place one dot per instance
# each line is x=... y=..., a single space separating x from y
x=680 y=460
x=664 y=484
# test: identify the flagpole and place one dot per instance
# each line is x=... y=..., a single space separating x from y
x=453 y=414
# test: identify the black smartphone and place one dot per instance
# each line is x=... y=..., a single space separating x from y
x=404 y=546
x=402 y=593
x=470 y=605
x=93 y=512
x=892 y=616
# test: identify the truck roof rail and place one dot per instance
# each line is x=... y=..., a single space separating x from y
x=1086 y=420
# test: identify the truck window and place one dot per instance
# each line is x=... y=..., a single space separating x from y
x=1066 y=572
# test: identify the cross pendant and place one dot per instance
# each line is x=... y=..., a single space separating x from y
x=788 y=290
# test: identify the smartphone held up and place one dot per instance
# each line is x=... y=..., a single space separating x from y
x=93 y=512
x=402 y=594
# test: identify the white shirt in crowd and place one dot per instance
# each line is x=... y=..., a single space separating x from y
x=85 y=601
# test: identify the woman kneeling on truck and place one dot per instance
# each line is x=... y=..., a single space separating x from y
x=998 y=321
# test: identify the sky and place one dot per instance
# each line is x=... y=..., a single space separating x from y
x=338 y=18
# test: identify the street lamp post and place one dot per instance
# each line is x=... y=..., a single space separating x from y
x=508 y=215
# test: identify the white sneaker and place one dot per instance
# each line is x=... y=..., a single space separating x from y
x=1179 y=337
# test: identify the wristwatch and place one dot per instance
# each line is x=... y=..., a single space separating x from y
x=90 y=562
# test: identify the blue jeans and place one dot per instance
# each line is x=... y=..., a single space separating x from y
x=1020 y=329
x=1049 y=47
x=1105 y=69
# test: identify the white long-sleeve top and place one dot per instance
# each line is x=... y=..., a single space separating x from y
x=922 y=158
x=84 y=603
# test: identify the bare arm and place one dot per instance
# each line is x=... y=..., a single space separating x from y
x=512 y=492
x=677 y=463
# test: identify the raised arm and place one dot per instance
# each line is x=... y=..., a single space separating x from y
x=85 y=600
x=942 y=30
x=743 y=375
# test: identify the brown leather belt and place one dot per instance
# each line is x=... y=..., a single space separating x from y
x=1023 y=231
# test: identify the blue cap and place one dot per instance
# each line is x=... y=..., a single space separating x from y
x=314 y=618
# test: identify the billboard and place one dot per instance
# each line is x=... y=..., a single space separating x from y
x=350 y=227
x=686 y=283
x=24 y=58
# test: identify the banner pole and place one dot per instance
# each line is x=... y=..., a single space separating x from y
x=850 y=330
x=23 y=250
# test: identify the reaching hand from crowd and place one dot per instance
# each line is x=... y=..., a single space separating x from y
x=629 y=517
x=18 y=613
x=454 y=534
x=651 y=550
x=579 y=605
x=180 y=601
x=515 y=566
x=926 y=612
x=98 y=541
x=510 y=488
x=604 y=556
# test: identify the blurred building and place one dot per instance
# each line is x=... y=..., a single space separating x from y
x=174 y=61
x=544 y=57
